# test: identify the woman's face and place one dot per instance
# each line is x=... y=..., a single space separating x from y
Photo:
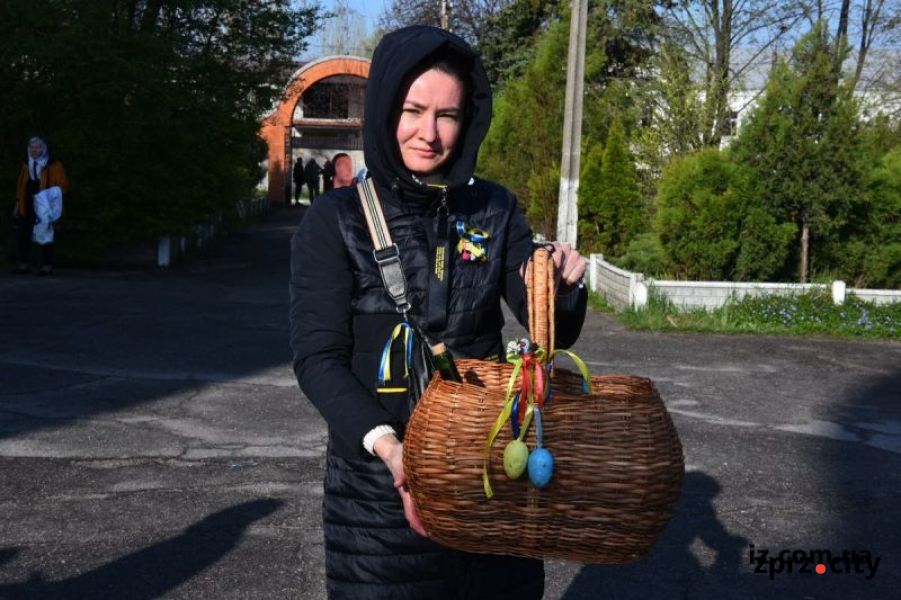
x=36 y=149
x=430 y=121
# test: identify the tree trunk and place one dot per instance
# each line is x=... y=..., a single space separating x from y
x=866 y=32
x=720 y=88
x=841 y=37
x=805 y=248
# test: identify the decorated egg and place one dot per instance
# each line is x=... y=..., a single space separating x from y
x=541 y=467
x=516 y=455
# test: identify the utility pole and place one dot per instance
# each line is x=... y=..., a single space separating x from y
x=567 y=205
x=444 y=15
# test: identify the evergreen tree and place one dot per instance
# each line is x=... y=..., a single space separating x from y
x=621 y=214
x=523 y=147
x=709 y=225
x=590 y=209
x=671 y=111
x=802 y=143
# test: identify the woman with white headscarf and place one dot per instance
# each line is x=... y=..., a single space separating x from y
x=39 y=192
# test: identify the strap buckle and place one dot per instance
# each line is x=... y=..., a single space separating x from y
x=386 y=255
x=392 y=271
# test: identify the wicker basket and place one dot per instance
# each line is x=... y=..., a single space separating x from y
x=617 y=460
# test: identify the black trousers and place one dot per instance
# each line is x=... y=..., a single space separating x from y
x=24 y=228
x=372 y=554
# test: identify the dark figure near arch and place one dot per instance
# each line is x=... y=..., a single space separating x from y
x=311 y=174
x=328 y=173
x=298 y=177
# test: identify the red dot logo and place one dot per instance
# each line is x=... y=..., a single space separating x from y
x=821 y=568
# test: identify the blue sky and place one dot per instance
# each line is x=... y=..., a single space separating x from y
x=370 y=9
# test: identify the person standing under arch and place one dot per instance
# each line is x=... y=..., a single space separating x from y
x=311 y=175
x=298 y=177
x=328 y=174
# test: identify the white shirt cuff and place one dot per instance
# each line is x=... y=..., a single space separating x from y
x=374 y=434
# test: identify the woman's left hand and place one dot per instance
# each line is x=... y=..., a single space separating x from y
x=569 y=263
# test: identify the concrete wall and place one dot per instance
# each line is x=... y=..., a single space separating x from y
x=623 y=288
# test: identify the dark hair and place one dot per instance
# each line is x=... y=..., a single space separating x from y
x=454 y=65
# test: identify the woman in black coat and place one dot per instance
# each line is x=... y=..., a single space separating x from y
x=428 y=108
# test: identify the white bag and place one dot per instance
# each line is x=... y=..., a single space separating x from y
x=48 y=207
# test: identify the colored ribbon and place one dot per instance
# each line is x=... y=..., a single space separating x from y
x=385 y=363
x=524 y=362
x=583 y=369
x=534 y=393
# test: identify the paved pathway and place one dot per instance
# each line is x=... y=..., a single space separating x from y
x=153 y=444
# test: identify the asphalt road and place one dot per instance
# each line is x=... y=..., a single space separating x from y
x=154 y=444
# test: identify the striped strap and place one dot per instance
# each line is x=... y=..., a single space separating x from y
x=385 y=251
x=375 y=218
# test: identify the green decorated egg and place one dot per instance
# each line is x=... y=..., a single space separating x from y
x=516 y=456
x=541 y=467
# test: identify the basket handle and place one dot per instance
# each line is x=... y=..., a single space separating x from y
x=541 y=293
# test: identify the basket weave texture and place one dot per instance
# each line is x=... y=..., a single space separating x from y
x=618 y=461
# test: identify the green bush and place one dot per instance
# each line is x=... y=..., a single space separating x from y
x=643 y=255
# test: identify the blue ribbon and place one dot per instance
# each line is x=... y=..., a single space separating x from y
x=385 y=362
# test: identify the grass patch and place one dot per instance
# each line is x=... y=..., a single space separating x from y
x=811 y=313
x=598 y=303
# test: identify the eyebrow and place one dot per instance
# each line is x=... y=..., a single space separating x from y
x=423 y=106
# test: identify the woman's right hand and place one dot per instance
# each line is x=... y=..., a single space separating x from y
x=391 y=451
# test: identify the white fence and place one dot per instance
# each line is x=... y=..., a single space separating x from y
x=624 y=288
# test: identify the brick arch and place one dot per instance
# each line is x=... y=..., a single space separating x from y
x=277 y=123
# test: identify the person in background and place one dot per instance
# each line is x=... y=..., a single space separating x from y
x=344 y=170
x=328 y=174
x=427 y=110
x=311 y=175
x=42 y=184
x=298 y=177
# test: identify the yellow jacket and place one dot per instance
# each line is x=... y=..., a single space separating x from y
x=53 y=174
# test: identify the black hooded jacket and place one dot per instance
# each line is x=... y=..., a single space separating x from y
x=341 y=315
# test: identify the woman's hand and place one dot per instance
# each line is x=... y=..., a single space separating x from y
x=569 y=263
x=391 y=451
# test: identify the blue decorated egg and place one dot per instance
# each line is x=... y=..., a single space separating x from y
x=541 y=467
x=516 y=455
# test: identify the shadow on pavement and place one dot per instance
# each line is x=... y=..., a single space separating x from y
x=672 y=570
x=153 y=571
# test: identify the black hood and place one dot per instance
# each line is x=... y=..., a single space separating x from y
x=397 y=55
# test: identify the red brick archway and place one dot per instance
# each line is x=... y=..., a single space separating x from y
x=276 y=126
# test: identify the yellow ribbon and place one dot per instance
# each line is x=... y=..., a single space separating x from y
x=583 y=368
